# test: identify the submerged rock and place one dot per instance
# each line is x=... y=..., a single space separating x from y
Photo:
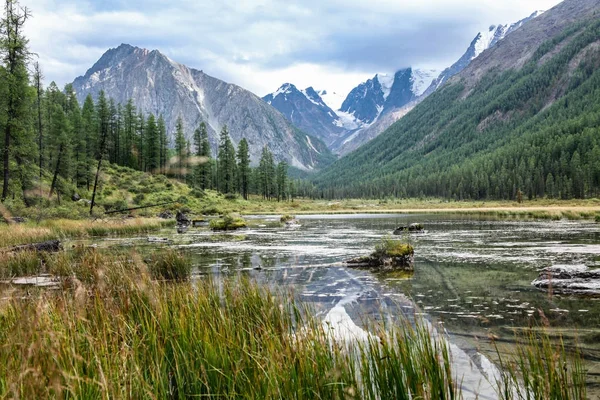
x=409 y=228
x=569 y=279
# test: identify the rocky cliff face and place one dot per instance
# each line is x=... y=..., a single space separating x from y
x=307 y=110
x=159 y=85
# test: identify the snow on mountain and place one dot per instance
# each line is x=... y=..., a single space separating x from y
x=333 y=99
x=422 y=79
x=386 y=81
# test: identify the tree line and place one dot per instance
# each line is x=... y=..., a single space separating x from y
x=47 y=136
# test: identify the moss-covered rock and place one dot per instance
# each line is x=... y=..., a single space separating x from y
x=389 y=255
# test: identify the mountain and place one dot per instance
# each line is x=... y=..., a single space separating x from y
x=523 y=117
x=482 y=42
x=411 y=87
x=159 y=85
x=375 y=104
x=306 y=110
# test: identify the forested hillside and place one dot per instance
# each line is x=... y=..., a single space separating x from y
x=533 y=132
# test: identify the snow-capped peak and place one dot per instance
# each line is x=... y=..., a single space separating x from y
x=286 y=88
x=386 y=81
x=421 y=79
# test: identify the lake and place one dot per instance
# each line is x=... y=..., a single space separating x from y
x=472 y=277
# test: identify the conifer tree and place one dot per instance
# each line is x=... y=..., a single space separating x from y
x=180 y=148
x=243 y=167
x=226 y=163
x=163 y=144
x=152 y=145
x=15 y=79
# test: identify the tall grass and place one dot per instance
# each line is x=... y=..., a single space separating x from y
x=541 y=369
x=115 y=332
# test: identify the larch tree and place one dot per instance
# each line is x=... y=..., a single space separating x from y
x=226 y=163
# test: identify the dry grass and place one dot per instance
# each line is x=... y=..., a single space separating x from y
x=17 y=234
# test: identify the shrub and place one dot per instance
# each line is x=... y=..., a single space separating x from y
x=139 y=198
x=231 y=196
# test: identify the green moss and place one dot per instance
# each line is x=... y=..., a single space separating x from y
x=393 y=248
x=227 y=223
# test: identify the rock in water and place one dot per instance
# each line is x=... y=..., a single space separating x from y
x=182 y=219
x=569 y=279
x=410 y=228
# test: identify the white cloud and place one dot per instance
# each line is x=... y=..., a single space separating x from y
x=327 y=44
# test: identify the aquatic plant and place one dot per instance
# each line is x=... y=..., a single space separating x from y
x=170 y=265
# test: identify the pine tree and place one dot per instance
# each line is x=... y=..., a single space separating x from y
x=163 y=143
x=226 y=163
x=243 y=167
x=103 y=131
x=281 y=173
x=266 y=174
x=180 y=149
x=15 y=79
x=152 y=145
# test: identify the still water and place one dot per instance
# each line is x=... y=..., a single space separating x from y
x=472 y=277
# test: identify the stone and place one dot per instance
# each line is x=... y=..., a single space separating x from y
x=413 y=228
x=49 y=246
x=569 y=279
x=75 y=197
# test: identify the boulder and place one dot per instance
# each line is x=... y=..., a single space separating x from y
x=18 y=220
x=75 y=197
x=410 y=228
x=569 y=279
x=182 y=219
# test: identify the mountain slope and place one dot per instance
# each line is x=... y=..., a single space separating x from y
x=159 y=85
x=496 y=131
x=482 y=42
x=306 y=110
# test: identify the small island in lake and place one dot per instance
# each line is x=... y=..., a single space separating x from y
x=389 y=255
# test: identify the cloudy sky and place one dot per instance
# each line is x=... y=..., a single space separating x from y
x=260 y=44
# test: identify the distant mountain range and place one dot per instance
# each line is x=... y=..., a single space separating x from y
x=161 y=86
x=521 y=119
x=376 y=104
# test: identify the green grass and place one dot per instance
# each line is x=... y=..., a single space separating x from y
x=115 y=332
x=393 y=248
x=227 y=223
x=170 y=265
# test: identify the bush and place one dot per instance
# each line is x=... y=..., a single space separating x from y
x=139 y=198
x=227 y=223
x=231 y=196
x=170 y=265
